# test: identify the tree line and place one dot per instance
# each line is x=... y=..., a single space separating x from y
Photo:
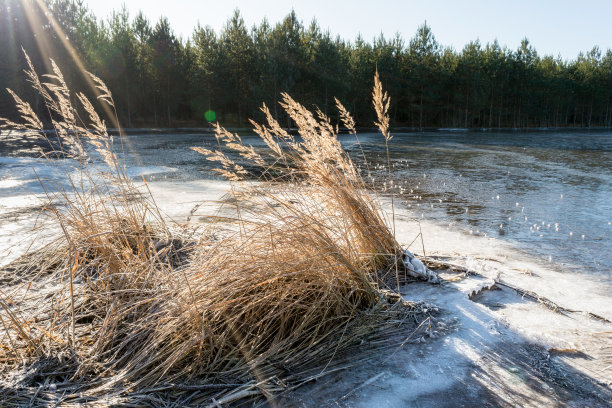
x=159 y=79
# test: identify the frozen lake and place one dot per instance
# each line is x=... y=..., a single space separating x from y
x=547 y=192
x=502 y=204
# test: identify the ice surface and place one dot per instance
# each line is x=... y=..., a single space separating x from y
x=499 y=348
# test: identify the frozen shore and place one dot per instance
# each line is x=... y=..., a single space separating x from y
x=494 y=347
x=504 y=349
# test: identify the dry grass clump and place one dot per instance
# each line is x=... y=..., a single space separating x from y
x=123 y=308
x=312 y=178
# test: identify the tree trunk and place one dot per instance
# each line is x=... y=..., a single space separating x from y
x=421 y=111
x=325 y=98
x=275 y=97
x=155 y=108
x=129 y=113
x=491 y=111
x=466 y=109
x=501 y=108
x=168 y=102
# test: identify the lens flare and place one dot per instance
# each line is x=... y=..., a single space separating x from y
x=210 y=115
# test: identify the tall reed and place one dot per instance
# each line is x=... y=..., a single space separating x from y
x=123 y=307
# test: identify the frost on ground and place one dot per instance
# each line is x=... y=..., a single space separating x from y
x=502 y=350
x=486 y=345
x=482 y=361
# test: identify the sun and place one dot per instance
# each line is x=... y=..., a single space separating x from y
x=50 y=39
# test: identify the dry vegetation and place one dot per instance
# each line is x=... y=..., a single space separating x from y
x=126 y=308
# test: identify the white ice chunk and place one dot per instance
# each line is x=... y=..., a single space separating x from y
x=417 y=269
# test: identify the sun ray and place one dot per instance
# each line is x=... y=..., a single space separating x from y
x=45 y=48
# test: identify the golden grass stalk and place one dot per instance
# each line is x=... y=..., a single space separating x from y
x=119 y=310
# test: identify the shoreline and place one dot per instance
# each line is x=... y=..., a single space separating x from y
x=495 y=339
x=489 y=320
x=397 y=129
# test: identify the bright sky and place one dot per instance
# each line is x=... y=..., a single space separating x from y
x=563 y=27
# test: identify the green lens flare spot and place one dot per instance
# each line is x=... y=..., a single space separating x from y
x=210 y=115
